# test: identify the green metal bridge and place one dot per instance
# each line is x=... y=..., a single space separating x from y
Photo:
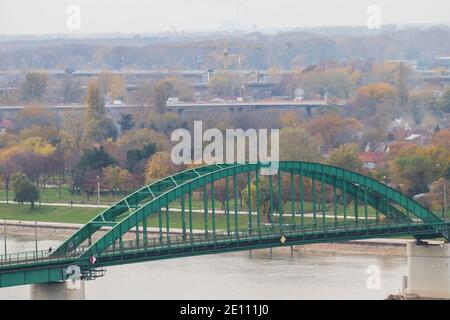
x=179 y=216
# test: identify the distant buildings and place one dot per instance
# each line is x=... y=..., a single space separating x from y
x=373 y=160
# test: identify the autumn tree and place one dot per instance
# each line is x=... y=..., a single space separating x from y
x=34 y=86
x=296 y=144
x=444 y=101
x=333 y=129
x=383 y=72
x=137 y=139
x=290 y=119
x=36 y=157
x=439 y=194
x=112 y=85
x=170 y=87
x=34 y=115
x=442 y=138
x=24 y=190
x=117 y=179
x=73 y=130
x=98 y=126
x=402 y=75
x=325 y=83
x=95 y=159
x=126 y=122
x=134 y=156
x=414 y=169
x=264 y=197
x=47 y=132
x=220 y=191
x=346 y=156
x=89 y=167
x=8 y=166
x=419 y=104
x=368 y=98
x=167 y=122
x=160 y=165
x=70 y=90
x=224 y=85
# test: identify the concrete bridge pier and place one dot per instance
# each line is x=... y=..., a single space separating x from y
x=428 y=270
x=58 y=291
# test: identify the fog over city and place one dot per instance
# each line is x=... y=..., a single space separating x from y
x=134 y=16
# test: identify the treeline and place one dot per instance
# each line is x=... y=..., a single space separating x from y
x=78 y=150
x=248 y=51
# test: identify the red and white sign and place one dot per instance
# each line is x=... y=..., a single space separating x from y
x=92 y=259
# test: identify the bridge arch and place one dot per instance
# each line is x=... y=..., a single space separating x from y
x=134 y=210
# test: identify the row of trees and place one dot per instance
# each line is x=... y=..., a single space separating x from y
x=81 y=149
x=258 y=51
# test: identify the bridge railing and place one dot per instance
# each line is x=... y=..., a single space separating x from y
x=220 y=236
x=264 y=232
x=19 y=258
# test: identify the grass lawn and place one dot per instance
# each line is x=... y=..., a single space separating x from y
x=52 y=195
x=198 y=221
x=47 y=213
x=83 y=215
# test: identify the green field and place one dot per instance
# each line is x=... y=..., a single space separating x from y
x=54 y=195
x=83 y=215
x=47 y=213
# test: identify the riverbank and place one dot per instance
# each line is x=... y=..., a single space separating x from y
x=59 y=231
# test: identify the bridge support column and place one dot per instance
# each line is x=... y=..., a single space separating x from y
x=428 y=270
x=58 y=291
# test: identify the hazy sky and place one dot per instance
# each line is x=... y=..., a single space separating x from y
x=142 y=16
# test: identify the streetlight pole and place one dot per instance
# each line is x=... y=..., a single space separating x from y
x=98 y=191
x=35 y=237
x=4 y=232
x=445 y=199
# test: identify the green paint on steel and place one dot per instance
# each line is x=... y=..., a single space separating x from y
x=292 y=199
x=219 y=172
x=249 y=202
x=213 y=208
x=227 y=204
x=258 y=200
x=150 y=200
x=302 y=208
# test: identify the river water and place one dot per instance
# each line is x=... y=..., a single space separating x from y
x=240 y=276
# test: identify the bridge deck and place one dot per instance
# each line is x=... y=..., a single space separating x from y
x=18 y=268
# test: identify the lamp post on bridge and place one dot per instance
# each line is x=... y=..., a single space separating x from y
x=444 y=187
x=445 y=199
x=98 y=191
x=35 y=237
x=4 y=231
